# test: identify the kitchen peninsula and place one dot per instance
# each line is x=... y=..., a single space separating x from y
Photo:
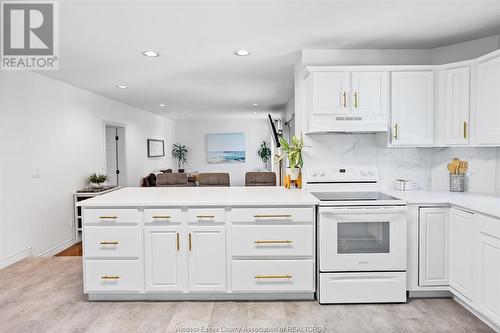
x=199 y=243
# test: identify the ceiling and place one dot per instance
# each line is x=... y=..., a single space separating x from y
x=197 y=74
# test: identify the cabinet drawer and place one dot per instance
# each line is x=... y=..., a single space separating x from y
x=279 y=215
x=273 y=275
x=374 y=287
x=272 y=240
x=162 y=216
x=207 y=215
x=110 y=241
x=489 y=226
x=107 y=216
x=113 y=275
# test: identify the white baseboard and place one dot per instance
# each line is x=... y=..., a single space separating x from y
x=55 y=250
x=477 y=314
x=27 y=252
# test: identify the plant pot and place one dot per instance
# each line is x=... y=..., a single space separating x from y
x=293 y=173
x=180 y=170
x=95 y=185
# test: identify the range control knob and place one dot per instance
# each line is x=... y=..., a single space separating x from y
x=322 y=173
x=363 y=172
x=314 y=174
x=372 y=172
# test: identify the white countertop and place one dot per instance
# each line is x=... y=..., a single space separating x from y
x=201 y=196
x=482 y=203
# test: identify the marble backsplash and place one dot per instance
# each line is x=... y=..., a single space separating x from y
x=426 y=166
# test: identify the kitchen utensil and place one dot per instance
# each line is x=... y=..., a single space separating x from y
x=450 y=168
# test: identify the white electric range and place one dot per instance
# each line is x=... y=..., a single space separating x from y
x=361 y=237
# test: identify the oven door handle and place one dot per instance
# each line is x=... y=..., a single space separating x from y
x=364 y=210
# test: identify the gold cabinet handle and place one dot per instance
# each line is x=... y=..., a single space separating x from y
x=465 y=130
x=109 y=243
x=205 y=216
x=178 y=241
x=108 y=217
x=356 y=100
x=190 y=242
x=344 y=99
x=272 y=215
x=273 y=242
x=162 y=216
x=110 y=277
x=288 y=276
x=396 y=131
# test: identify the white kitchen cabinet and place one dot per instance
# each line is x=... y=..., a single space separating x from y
x=348 y=101
x=330 y=93
x=164 y=258
x=487 y=113
x=412 y=108
x=433 y=247
x=489 y=267
x=207 y=258
x=370 y=93
x=456 y=106
x=462 y=252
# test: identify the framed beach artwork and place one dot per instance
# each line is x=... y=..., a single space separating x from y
x=226 y=148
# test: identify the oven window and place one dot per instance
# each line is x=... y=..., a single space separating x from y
x=363 y=237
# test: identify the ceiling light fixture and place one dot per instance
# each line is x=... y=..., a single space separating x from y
x=122 y=86
x=151 y=54
x=255 y=104
x=242 y=53
x=162 y=105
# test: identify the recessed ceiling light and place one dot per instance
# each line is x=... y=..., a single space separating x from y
x=241 y=53
x=163 y=105
x=255 y=104
x=255 y=112
x=151 y=53
x=182 y=114
x=122 y=86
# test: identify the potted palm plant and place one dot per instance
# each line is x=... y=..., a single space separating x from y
x=294 y=154
x=97 y=180
x=179 y=152
x=264 y=153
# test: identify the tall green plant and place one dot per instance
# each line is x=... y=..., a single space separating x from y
x=264 y=152
x=97 y=178
x=179 y=152
x=293 y=151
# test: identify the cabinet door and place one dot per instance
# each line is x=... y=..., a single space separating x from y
x=457 y=93
x=163 y=258
x=433 y=247
x=487 y=117
x=330 y=93
x=489 y=268
x=412 y=108
x=207 y=258
x=462 y=241
x=370 y=93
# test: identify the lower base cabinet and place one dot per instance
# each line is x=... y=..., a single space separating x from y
x=433 y=249
x=207 y=258
x=164 y=258
x=113 y=275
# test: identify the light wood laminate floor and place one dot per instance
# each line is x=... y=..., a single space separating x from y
x=45 y=295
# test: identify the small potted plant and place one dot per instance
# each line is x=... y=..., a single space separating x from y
x=97 y=180
x=179 y=152
x=294 y=153
x=264 y=153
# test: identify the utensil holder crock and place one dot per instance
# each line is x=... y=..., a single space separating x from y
x=457 y=183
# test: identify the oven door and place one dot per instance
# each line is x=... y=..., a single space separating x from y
x=362 y=239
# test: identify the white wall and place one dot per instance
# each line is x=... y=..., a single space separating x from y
x=193 y=134
x=59 y=129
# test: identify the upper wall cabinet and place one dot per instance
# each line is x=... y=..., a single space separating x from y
x=487 y=116
x=454 y=92
x=347 y=102
x=412 y=108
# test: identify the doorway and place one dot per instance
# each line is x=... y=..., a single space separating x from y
x=115 y=154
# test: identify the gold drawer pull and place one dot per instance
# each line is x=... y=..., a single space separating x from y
x=273 y=242
x=190 y=242
x=110 y=277
x=205 y=216
x=162 y=216
x=344 y=99
x=108 y=217
x=109 y=243
x=396 y=131
x=272 y=215
x=288 y=276
x=356 y=100
x=465 y=130
x=178 y=241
